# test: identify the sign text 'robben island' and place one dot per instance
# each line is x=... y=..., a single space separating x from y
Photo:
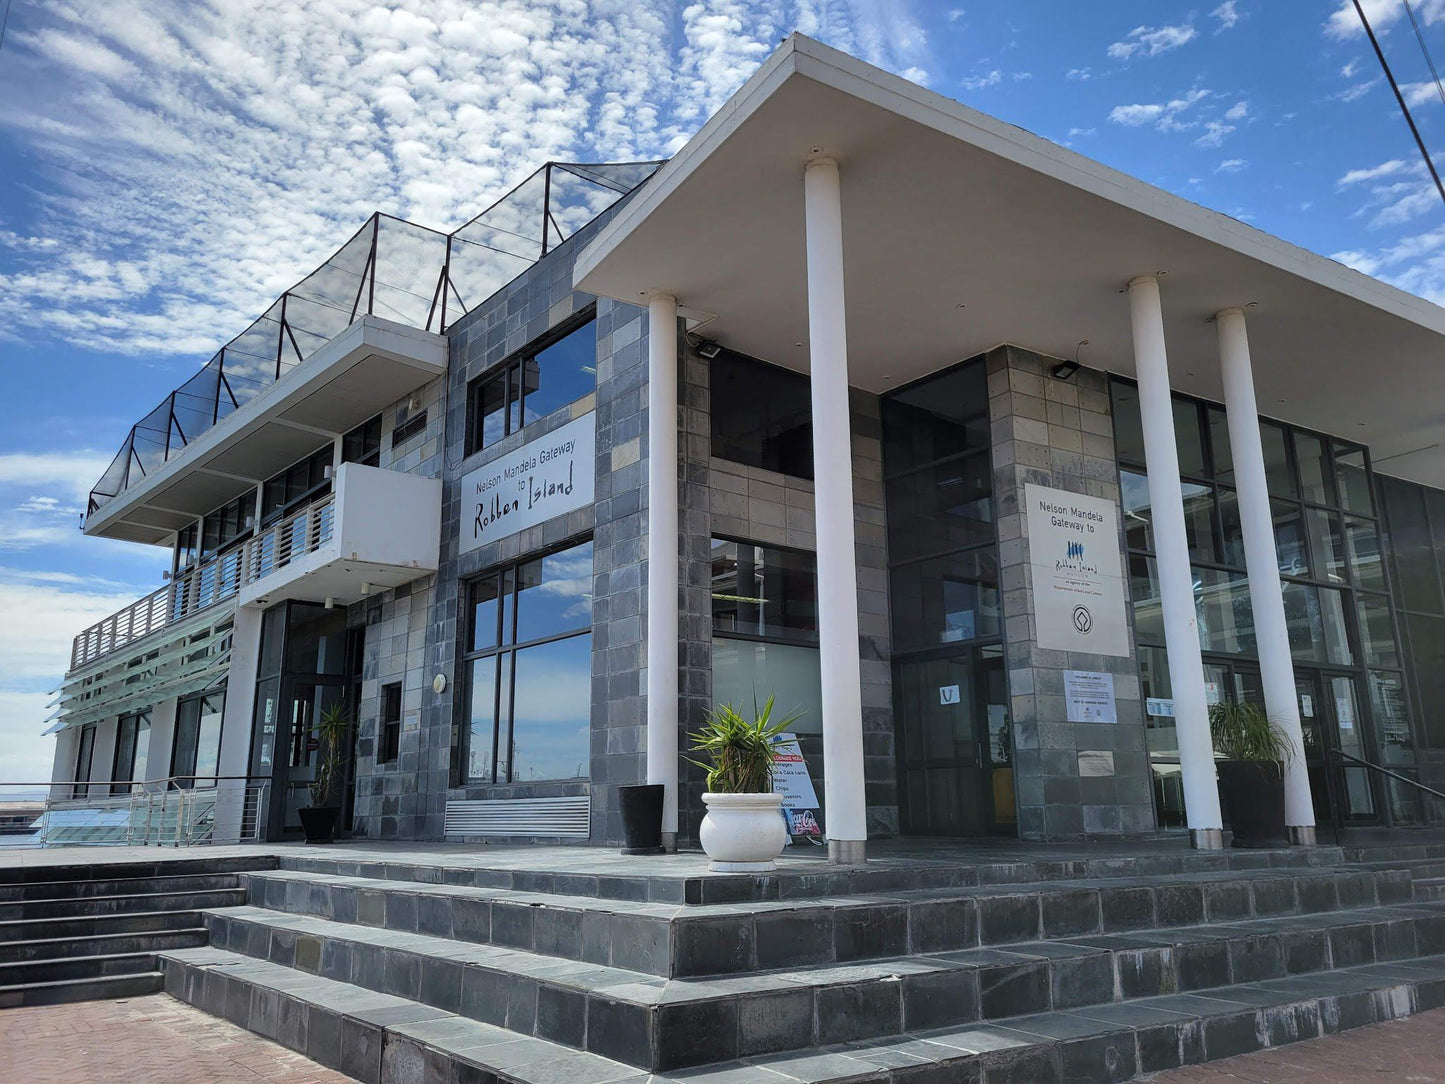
x=543 y=479
x=1076 y=571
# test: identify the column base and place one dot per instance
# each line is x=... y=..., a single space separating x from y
x=1206 y=839
x=847 y=852
x=1302 y=835
x=669 y=842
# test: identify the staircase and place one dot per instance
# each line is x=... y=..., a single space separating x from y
x=1089 y=969
x=78 y=933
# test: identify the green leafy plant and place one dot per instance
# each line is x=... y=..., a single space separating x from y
x=331 y=734
x=1244 y=731
x=739 y=750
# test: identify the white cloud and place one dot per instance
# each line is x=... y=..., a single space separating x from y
x=1165 y=116
x=1214 y=133
x=1356 y=91
x=1237 y=111
x=1415 y=263
x=1074 y=133
x=1344 y=21
x=1384 y=169
x=1418 y=94
x=1228 y=14
x=978 y=82
x=1231 y=165
x=1349 y=70
x=1152 y=40
x=1079 y=73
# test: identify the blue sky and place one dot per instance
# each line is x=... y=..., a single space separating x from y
x=169 y=166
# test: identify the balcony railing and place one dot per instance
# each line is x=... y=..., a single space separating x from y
x=176 y=812
x=215 y=580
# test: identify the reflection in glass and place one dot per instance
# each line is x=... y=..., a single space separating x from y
x=1417 y=575
x=561 y=373
x=481 y=726
x=747 y=672
x=1222 y=608
x=554 y=593
x=946 y=600
x=939 y=418
x=1326 y=546
x=1354 y=481
x=1199 y=521
x=1313 y=456
x=1315 y=618
x=1426 y=636
x=1289 y=540
x=947 y=506
x=1278 y=475
x=1128 y=426
x=1220 y=446
x=764 y=590
x=1377 y=634
x=762 y=415
x=1231 y=529
x=1144 y=592
x=1189 y=438
x=552 y=710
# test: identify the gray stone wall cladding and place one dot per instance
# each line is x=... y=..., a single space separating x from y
x=775 y=509
x=1060 y=433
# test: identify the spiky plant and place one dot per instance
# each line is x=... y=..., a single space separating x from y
x=331 y=733
x=1244 y=731
x=739 y=750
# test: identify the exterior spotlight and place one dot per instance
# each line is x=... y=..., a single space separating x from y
x=1064 y=370
x=708 y=349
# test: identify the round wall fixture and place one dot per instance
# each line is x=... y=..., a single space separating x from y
x=439 y=683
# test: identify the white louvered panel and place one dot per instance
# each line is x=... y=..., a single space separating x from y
x=563 y=817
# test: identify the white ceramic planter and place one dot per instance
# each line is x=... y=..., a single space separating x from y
x=743 y=833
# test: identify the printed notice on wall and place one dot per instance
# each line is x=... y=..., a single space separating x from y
x=1076 y=572
x=543 y=479
x=1089 y=697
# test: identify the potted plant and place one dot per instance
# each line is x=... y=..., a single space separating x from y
x=318 y=820
x=743 y=831
x=1250 y=753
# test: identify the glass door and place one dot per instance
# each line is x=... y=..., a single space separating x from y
x=1342 y=705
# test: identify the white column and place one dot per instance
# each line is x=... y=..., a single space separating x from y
x=1266 y=597
x=844 y=800
x=662 y=549
x=1176 y=580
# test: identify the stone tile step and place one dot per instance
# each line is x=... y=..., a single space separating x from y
x=61 y=991
x=37 y=929
x=57 y=948
x=682 y=940
x=1430 y=888
x=377 y=1037
x=669 y=879
x=645 y=1020
x=76 y=967
x=35 y=891
x=80 y=907
x=13 y=876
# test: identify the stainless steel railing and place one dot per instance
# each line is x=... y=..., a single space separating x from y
x=180 y=811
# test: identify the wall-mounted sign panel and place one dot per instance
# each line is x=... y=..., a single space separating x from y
x=543 y=479
x=1089 y=697
x=1076 y=572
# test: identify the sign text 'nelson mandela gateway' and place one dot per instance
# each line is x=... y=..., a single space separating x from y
x=543 y=479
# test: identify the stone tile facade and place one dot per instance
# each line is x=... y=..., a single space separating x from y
x=1059 y=433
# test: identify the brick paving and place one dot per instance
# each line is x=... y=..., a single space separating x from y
x=140 y=1040
x=1405 y=1051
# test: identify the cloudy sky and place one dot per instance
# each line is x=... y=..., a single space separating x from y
x=169 y=166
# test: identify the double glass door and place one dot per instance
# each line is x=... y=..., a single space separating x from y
x=955 y=743
x=1331 y=718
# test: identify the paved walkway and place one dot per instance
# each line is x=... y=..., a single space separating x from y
x=140 y=1040
x=1405 y=1051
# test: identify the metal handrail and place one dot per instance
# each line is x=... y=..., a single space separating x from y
x=1332 y=791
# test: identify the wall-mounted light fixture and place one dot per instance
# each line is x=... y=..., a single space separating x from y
x=708 y=349
x=1066 y=369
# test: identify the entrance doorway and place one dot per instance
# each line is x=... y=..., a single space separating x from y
x=304 y=672
x=955 y=744
x=1331 y=718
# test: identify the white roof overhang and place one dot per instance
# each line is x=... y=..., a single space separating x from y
x=367 y=367
x=961 y=232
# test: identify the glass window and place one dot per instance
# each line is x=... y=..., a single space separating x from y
x=559 y=374
x=1189 y=438
x=1231 y=529
x=1128 y=425
x=943 y=507
x=1278 y=475
x=1223 y=613
x=1138 y=515
x=1327 y=556
x=1289 y=539
x=552 y=710
x=132 y=751
x=85 y=754
x=1354 y=481
x=1315 y=617
x=939 y=418
x=315 y=639
x=1362 y=544
x=1312 y=453
x=946 y=600
x=1377 y=633
x=299 y=483
x=389 y=737
x=764 y=591
x=363 y=444
x=1199 y=521
x=529 y=728
x=1219 y=445
x=1426 y=636
x=1417 y=574
x=1148 y=610
x=762 y=415
x=196 y=751
x=226 y=524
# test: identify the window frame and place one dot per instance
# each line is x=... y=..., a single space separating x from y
x=84 y=751
x=127 y=784
x=508 y=372
x=388 y=738
x=179 y=772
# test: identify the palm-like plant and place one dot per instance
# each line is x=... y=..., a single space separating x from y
x=331 y=732
x=739 y=750
x=1244 y=731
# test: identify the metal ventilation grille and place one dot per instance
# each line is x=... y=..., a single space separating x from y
x=563 y=817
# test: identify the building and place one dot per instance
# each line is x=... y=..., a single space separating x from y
x=998 y=464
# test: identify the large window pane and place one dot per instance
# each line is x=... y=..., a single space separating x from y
x=1198 y=516
x=1327 y=556
x=1138 y=512
x=1222 y=607
x=1189 y=438
x=1289 y=539
x=1417 y=575
x=1128 y=426
x=762 y=415
x=562 y=373
x=208 y=741
x=1316 y=621
x=481 y=725
x=746 y=672
x=1377 y=634
x=942 y=417
x=948 y=506
x=486 y=607
x=1355 y=493
x=554 y=594
x=1426 y=637
x=1313 y=455
x=1144 y=591
x=1220 y=446
x=551 y=710
x=946 y=600
x=1231 y=529
x=764 y=591
x=1278 y=475
x=1362 y=544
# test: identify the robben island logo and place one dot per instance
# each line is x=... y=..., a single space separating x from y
x=1073 y=561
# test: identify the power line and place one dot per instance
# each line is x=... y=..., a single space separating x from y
x=4 y=19
x=1424 y=49
x=1405 y=109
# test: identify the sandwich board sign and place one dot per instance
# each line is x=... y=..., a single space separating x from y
x=792 y=781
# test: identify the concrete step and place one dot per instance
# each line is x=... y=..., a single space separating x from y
x=76 y=967
x=104 y=988
x=652 y=1022
x=80 y=907
x=17 y=932
x=117 y=943
x=684 y=877
x=379 y=1037
x=189 y=865
x=677 y=940
x=1430 y=888
x=36 y=891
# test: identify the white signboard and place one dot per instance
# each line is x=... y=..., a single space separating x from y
x=543 y=479
x=948 y=694
x=1089 y=697
x=1161 y=707
x=791 y=780
x=1077 y=575
x=1095 y=763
